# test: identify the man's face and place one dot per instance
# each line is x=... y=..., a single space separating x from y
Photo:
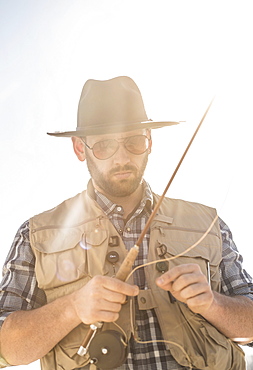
x=121 y=174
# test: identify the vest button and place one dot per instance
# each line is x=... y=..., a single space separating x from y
x=143 y=300
x=112 y=257
x=162 y=266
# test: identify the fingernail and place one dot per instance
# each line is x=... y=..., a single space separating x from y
x=160 y=281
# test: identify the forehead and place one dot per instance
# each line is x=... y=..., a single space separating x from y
x=120 y=135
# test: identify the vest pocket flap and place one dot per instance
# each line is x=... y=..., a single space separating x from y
x=146 y=300
x=56 y=240
x=212 y=333
x=200 y=251
x=95 y=237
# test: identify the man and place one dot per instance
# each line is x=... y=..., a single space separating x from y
x=59 y=275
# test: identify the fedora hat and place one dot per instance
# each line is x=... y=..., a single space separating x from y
x=111 y=106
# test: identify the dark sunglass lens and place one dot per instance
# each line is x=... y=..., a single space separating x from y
x=105 y=149
x=137 y=144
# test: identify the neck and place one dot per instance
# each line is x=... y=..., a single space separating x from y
x=128 y=202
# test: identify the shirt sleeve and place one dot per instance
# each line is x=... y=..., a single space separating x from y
x=19 y=289
x=234 y=279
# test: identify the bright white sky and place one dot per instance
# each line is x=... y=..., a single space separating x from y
x=180 y=54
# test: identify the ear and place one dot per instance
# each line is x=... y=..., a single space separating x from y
x=78 y=147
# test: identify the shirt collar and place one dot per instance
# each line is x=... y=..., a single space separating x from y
x=108 y=206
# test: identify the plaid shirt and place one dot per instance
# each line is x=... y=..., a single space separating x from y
x=19 y=290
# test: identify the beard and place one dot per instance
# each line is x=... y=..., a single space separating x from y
x=109 y=186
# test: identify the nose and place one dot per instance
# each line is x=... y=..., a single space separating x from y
x=121 y=157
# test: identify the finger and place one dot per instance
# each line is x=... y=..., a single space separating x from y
x=107 y=316
x=101 y=290
x=109 y=306
x=188 y=280
x=101 y=315
x=183 y=269
x=116 y=297
x=193 y=290
x=167 y=279
x=116 y=285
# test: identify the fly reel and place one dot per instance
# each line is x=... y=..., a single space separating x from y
x=108 y=349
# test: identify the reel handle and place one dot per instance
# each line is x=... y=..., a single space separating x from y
x=83 y=349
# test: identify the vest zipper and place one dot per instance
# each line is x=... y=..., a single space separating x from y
x=99 y=218
x=161 y=228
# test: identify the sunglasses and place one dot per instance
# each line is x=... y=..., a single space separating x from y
x=105 y=149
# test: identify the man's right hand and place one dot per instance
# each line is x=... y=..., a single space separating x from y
x=101 y=299
x=29 y=335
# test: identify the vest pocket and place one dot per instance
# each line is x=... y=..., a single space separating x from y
x=206 y=347
x=66 y=351
x=67 y=255
x=203 y=264
x=221 y=352
x=181 y=247
x=58 y=257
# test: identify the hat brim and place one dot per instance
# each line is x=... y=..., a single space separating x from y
x=112 y=129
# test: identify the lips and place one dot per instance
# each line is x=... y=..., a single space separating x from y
x=122 y=175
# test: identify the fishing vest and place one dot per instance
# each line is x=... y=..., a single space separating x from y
x=71 y=243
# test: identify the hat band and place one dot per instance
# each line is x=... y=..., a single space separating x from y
x=81 y=128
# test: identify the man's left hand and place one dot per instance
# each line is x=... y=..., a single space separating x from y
x=188 y=284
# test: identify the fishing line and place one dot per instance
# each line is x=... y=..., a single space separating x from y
x=183 y=322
